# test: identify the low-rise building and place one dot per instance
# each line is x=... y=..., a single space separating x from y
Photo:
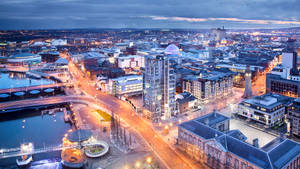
x=268 y=109
x=228 y=149
x=186 y=101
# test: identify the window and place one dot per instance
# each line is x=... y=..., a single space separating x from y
x=244 y=165
x=236 y=163
x=229 y=158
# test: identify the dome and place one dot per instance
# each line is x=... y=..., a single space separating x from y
x=172 y=50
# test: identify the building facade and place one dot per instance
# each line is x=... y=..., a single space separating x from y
x=159 y=88
x=294 y=117
x=125 y=85
x=228 y=149
x=209 y=86
x=131 y=61
x=268 y=109
x=186 y=102
x=288 y=87
x=285 y=78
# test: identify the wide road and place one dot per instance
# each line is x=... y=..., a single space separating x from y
x=170 y=157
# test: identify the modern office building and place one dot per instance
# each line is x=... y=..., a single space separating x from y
x=268 y=109
x=294 y=118
x=209 y=86
x=288 y=87
x=159 y=87
x=285 y=78
x=228 y=149
x=125 y=85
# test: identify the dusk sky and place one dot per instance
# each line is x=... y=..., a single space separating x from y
x=61 y=14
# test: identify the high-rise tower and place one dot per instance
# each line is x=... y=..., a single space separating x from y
x=159 y=86
x=248 y=88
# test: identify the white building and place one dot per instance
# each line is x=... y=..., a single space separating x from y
x=131 y=61
x=266 y=109
x=125 y=85
x=59 y=42
x=88 y=55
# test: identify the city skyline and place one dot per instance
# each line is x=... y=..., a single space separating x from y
x=73 y=14
x=162 y=84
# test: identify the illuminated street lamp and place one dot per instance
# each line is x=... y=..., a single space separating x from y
x=126 y=167
x=137 y=164
x=149 y=160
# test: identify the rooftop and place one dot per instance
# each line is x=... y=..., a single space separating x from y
x=185 y=97
x=269 y=100
x=275 y=155
x=172 y=50
x=23 y=55
x=212 y=118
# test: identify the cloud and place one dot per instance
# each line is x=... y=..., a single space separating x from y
x=251 y=21
x=28 y=14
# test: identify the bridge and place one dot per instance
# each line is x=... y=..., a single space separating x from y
x=16 y=152
x=37 y=87
x=43 y=102
x=32 y=91
x=32 y=73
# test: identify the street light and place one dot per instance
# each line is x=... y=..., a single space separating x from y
x=137 y=164
x=126 y=167
x=149 y=160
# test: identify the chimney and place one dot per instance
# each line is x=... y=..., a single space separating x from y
x=255 y=143
x=215 y=113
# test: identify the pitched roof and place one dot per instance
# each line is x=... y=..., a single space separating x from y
x=212 y=118
x=274 y=155
x=284 y=153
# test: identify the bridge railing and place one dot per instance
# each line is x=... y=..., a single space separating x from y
x=16 y=152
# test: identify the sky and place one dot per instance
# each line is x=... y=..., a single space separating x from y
x=194 y=14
